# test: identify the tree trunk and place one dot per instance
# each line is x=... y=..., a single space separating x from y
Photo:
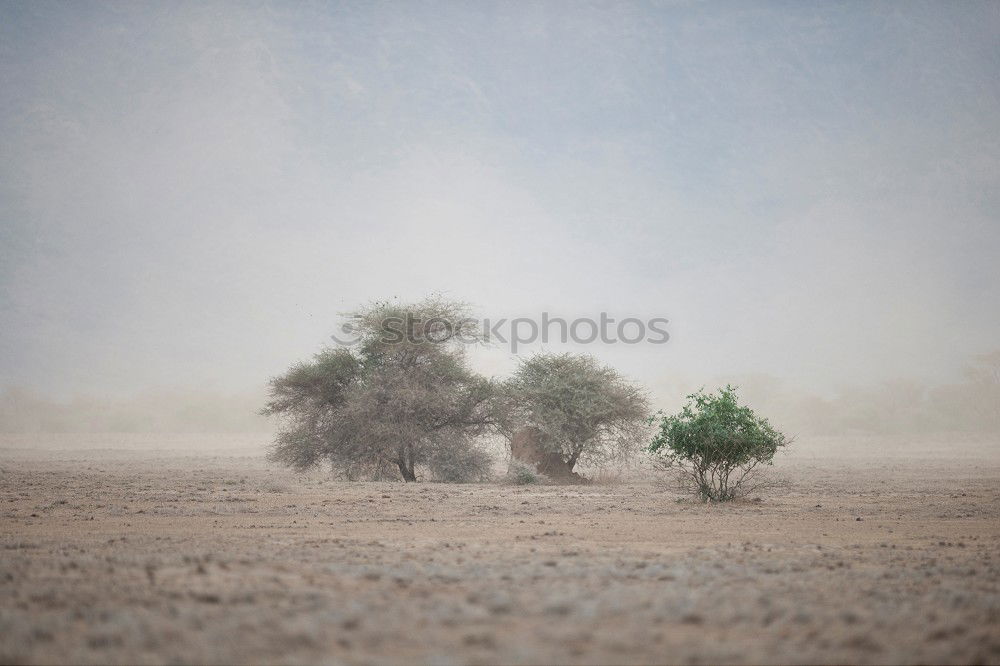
x=405 y=463
x=526 y=446
x=406 y=470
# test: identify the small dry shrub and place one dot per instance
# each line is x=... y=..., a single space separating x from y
x=521 y=473
x=462 y=462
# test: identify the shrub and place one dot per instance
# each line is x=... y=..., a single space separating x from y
x=521 y=473
x=459 y=462
x=717 y=445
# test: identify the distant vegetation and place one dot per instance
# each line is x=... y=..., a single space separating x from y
x=403 y=401
x=159 y=411
x=352 y=407
x=900 y=407
x=404 y=404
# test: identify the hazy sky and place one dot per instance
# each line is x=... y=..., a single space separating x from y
x=191 y=193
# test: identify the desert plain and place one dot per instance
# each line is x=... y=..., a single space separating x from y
x=196 y=549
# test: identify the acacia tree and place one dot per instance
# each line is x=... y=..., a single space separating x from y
x=562 y=409
x=403 y=397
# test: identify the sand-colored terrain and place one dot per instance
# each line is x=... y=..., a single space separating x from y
x=196 y=550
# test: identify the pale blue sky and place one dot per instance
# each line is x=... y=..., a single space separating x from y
x=190 y=193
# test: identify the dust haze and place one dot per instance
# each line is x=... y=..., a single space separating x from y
x=192 y=193
x=194 y=196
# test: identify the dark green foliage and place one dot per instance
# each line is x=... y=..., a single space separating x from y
x=717 y=444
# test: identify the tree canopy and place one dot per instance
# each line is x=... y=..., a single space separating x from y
x=575 y=409
x=402 y=398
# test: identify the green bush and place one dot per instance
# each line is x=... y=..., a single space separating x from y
x=717 y=445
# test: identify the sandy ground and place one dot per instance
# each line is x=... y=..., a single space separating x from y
x=188 y=549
